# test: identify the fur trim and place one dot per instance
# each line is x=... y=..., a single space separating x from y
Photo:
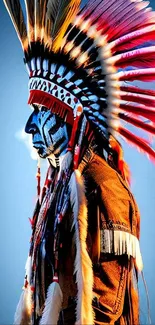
x=83 y=264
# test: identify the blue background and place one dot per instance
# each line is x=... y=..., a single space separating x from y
x=18 y=185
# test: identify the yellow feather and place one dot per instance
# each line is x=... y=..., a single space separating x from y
x=15 y=11
x=66 y=14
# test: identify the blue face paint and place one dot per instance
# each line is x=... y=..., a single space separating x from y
x=49 y=132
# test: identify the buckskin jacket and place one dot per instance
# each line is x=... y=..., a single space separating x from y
x=113 y=245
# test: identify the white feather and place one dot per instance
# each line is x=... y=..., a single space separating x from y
x=53 y=305
x=83 y=264
x=23 y=310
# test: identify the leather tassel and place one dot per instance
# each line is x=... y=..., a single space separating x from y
x=53 y=305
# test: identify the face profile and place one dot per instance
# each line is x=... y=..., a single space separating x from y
x=49 y=132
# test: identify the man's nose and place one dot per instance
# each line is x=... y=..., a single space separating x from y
x=31 y=125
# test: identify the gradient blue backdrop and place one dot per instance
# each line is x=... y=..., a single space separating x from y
x=18 y=186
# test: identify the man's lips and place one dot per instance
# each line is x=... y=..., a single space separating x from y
x=42 y=150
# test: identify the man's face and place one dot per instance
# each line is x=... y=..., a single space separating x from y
x=49 y=132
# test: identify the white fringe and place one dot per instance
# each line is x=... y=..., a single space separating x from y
x=53 y=305
x=83 y=264
x=120 y=242
x=24 y=308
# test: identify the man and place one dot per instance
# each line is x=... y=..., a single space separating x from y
x=112 y=232
x=85 y=229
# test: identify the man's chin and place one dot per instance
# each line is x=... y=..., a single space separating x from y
x=42 y=153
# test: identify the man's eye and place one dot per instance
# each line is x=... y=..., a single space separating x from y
x=43 y=109
x=54 y=129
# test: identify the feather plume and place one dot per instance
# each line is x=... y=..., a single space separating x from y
x=16 y=14
x=24 y=308
x=53 y=305
x=83 y=264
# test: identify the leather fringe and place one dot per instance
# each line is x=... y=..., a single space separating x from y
x=119 y=242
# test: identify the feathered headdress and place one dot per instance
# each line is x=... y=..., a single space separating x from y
x=81 y=63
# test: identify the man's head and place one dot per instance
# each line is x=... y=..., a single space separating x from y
x=49 y=132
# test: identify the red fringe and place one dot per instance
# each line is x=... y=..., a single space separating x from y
x=55 y=105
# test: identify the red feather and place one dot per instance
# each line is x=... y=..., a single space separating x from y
x=137 y=74
x=129 y=23
x=134 y=121
x=139 y=110
x=138 y=98
x=108 y=15
x=133 y=89
x=134 y=39
x=143 y=57
x=134 y=43
x=138 y=142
